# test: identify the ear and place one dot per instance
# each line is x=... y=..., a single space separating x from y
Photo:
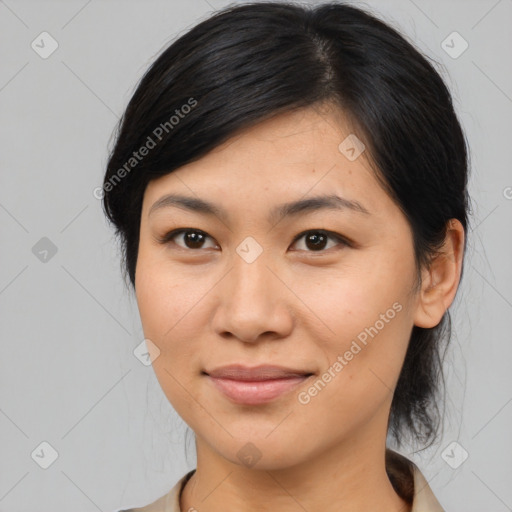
x=441 y=280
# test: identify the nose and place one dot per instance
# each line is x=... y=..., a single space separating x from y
x=253 y=303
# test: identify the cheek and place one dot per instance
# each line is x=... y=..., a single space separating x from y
x=367 y=321
x=156 y=307
x=166 y=299
x=351 y=300
x=169 y=303
x=361 y=369
x=160 y=308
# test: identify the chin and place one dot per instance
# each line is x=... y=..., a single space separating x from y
x=257 y=449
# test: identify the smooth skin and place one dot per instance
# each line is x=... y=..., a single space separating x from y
x=299 y=304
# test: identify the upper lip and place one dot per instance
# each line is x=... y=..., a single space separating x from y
x=255 y=373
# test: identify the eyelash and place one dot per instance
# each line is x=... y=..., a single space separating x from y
x=344 y=242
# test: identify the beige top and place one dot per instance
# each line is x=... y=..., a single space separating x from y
x=405 y=476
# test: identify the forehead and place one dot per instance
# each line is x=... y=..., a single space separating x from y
x=291 y=156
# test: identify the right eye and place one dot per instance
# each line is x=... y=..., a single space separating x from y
x=190 y=238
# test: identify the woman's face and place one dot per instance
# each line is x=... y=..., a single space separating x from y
x=253 y=282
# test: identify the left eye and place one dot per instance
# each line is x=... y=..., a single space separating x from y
x=314 y=240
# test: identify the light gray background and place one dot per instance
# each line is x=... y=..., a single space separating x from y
x=68 y=374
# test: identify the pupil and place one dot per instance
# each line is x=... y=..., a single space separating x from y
x=318 y=240
x=193 y=239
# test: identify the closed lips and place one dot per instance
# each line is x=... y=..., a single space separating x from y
x=259 y=373
x=257 y=386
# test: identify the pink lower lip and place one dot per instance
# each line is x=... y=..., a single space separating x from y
x=256 y=392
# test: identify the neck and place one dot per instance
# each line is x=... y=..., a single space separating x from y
x=350 y=477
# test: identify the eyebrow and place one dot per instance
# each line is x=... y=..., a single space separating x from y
x=312 y=204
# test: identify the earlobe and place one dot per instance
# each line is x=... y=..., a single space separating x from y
x=441 y=280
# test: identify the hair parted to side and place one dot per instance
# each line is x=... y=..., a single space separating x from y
x=249 y=62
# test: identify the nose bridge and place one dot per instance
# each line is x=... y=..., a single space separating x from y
x=250 y=282
x=252 y=300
